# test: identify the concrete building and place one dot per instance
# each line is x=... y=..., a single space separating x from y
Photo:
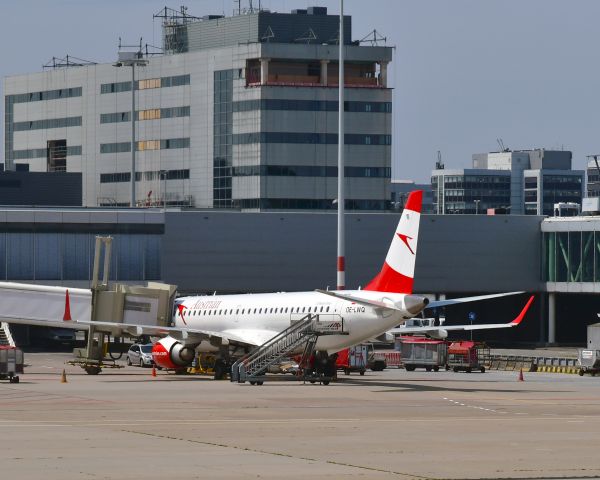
x=239 y=112
x=534 y=181
x=400 y=189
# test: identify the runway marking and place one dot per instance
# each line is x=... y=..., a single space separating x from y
x=476 y=407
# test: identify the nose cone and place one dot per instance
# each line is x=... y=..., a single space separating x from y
x=413 y=304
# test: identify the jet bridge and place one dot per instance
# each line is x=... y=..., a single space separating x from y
x=42 y=305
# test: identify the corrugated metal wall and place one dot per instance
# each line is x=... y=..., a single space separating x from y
x=258 y=252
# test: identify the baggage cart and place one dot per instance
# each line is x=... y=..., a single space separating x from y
x=11 y=363
x=589 y=361
x=422 y=352
x=467 y=356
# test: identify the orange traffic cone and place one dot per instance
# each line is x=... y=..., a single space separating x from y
x=63 y=377
x=521 y=379
x=154 y=370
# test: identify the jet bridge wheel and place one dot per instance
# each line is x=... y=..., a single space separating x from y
x=92 y=370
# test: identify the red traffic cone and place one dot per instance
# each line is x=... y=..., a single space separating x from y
x=521 y=379
x=67 y=315
x=63 y=377
x=154 y=370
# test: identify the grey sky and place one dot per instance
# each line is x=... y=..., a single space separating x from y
x=465 y=72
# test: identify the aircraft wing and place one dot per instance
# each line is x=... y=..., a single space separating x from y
x=363 y=301
x=117 y=329
x=454 y=301
x=518 y=319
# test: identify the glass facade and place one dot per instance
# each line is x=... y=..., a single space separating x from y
x=311 y=106
x=571 y=256
x=147 y=176
x=309 y=204
x=222 y=138
x=310 y=171
x=68 y=256
x=470 y=193
x=310 y=138
x=560 y=188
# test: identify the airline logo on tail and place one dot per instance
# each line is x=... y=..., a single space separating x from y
x=405 y=239
x=398 y=271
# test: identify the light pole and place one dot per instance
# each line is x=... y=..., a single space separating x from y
x=131 y=59
x=477 y=207
x=341 y=255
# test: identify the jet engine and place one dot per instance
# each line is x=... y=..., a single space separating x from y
x=440 y=334
x=169 y=352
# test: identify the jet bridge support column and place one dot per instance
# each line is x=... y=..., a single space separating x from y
x=552 y=318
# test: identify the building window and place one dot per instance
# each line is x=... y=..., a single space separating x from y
x=115 y=87
x=47 y=124
x=120 y=147
x=149 y=83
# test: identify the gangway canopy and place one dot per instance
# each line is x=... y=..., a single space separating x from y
x=42 y=303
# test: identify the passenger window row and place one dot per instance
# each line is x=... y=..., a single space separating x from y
x=258 y=311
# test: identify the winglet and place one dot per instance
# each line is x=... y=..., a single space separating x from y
x=67 y=315
x=521 y=315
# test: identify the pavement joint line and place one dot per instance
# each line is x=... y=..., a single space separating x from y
x=275 y=422
x=279 y=454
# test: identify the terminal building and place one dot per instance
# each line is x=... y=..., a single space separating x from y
x=557 y=259
x=238 y=112
x=521 y=182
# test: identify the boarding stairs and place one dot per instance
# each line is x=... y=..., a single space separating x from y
x=301 y=333
x=6 y=338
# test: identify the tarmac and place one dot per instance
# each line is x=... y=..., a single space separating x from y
x=127 y=424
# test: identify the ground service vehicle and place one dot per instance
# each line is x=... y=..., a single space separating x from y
x=353 y=359
x=11 y=363
x=423 y=352
x=467 y=356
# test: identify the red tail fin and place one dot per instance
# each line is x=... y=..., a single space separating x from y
x=398 y=271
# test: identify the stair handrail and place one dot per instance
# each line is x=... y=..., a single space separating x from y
x=297 y=329
x=8 y=334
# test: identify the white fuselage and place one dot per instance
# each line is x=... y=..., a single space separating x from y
x=255 y=318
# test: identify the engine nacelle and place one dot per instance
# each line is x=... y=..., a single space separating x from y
x=440 y=334
x=169 y=352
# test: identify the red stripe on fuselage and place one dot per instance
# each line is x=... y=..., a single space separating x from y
x=389 y=280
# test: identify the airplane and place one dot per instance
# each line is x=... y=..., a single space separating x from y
x=230 y=325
